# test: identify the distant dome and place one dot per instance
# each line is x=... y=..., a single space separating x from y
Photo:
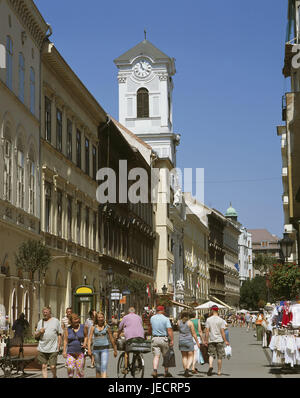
x=231 y=212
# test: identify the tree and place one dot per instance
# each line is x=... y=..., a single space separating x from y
x=33 y=256
x=263 y=262
x=285 y=281
x=252 y=292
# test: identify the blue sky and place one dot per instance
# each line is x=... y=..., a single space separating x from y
x=228 y=86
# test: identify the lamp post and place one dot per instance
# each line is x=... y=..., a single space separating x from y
x=286 y=245
x=109 y=279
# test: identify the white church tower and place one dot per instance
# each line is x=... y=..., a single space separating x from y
x=145 y=97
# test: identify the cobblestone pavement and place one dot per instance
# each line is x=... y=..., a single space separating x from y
x=249 y=360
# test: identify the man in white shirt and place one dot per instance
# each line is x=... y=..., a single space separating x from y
x=215 y=338
x=49 y=332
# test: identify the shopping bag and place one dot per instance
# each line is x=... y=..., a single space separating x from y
x=200 y=358
x=169 y=359
x=228 y=351
x=204 y=352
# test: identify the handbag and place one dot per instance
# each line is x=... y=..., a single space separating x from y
x=169 y=359
x=38 y=338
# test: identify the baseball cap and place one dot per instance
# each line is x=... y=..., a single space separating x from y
x=160 y=308
x=215 y=308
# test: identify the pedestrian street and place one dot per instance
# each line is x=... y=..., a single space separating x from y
x=249 y=360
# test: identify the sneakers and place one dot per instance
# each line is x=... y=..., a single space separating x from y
x=186 y=373
x=210 y=370
x=154 y=374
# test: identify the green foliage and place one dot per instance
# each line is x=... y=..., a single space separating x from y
x=263 y=262
x=253 y=292
x=285 y=281
x=32 y=255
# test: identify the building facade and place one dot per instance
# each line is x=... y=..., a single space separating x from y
x=22 y=32
x=196 y=250
x=289 y=132
x=231 y=259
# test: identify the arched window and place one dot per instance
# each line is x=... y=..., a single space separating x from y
x=32 y=91
x=20 y=178
x=31 y=175
x=7 y=166
x=14 y=307
x=9 y=62
x=26 y=306
x=142 y=102
x=21 y=76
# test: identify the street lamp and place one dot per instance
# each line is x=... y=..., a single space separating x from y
x=286 y=245
x=164 y=289
x=109 y=279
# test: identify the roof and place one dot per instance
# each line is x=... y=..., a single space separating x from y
x=131 y=133
x=143 y=48
x=260 y=235
x=231 y=212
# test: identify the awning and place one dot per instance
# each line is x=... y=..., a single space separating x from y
x=180 y=304
x=221 y=302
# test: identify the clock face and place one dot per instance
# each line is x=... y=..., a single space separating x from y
x=142 y=68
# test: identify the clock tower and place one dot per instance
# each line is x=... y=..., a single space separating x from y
x=145 y=97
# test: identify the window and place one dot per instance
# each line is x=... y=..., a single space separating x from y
x=9 y=62
x=78 y=222
x=32 y=91
x=47 y=206
x=20 y=179
x=69 y=218
x=87 y=156
x=69 y=139
x=58 y=130
x=21 y=77
x=87 y=226
x=7 y=170
x=59 y=213
x=78 y=148
x=94 y=154
x=94 y=230
x=26 y=306
x=31 y=186
x=47 y=119
x=142 y=103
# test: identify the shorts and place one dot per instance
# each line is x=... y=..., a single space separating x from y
x=47 y=357
x=160 y=345
x=216 y=350
x=186 y=346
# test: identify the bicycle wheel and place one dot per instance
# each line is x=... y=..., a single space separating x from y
x=138 y=365
x=121 y=365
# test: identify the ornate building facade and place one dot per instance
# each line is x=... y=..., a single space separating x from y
x=22 y=32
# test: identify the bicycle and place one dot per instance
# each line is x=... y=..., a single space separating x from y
x=136 y=366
